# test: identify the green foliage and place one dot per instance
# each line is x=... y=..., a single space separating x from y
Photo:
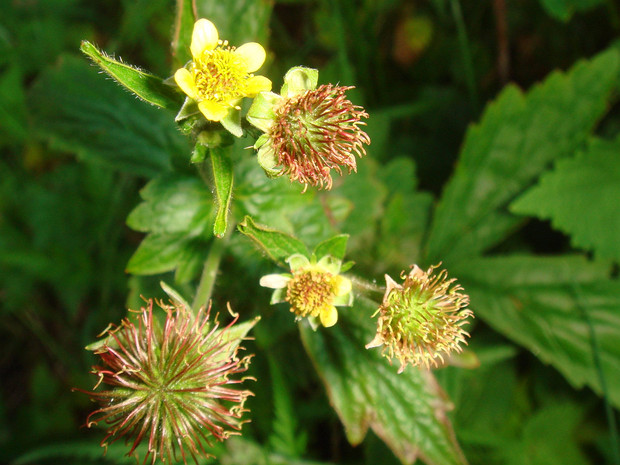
x=514 y=142
x=580 y=197
x=407 y=411
x=149 y=88
x=546 y=318
x=564 y=9
x=78 y=111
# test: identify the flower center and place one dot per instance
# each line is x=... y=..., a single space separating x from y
x=220 y=74
x=310 y=291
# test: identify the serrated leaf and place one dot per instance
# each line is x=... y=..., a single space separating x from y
x=581 y=197
x=173 y=203
x=541 y=303
x=407 y=411
x=81 y=112
x=148 y=87
x=159 y=253
x=183 y=27
x=278 y=245
x=223 y=176
x=518 y=136
x=335 y=246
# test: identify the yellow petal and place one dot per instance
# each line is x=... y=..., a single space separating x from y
x=204 y=37
x=185 y=81
x=253 y=54
x=213 y=111
x=256 y=85
x=329 y=316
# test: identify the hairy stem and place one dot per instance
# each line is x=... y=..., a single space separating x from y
x=209 y=273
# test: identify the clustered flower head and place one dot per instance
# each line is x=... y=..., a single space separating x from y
x=220 y=76
x=169 y=385
x=313 y=289
x=422 y=319
x=309 y=130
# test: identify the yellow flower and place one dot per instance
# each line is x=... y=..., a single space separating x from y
x=313 y=289
x=219 y=76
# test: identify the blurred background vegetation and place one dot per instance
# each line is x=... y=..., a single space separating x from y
x=424 y=69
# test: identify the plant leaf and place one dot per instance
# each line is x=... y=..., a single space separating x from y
x=183 y=27
x=335 y=246
x=563 y=10
x=223 y=175
x=278 y=245
x=148 y=87
x=541 y=303
x=173 y=203
x=581 y=197
x=407 y=411
x=238 y=21
x=518 y=136
x=80 y=112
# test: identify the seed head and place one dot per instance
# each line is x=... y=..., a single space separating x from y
x=422 y=319
x=169 y=384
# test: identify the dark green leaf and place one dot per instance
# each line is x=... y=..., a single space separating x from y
x=541 y=303
x=564 y=9
x=183 y=27
x=159 y=253
x=148 y=87
x=278 y=245
x=335 y=246
x=407 y=411
x=173 y=204
x=80 y=111
x=518 y=136
x=223 y=176
x=581 y=197
x=238 y=21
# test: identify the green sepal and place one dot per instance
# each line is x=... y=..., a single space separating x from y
x=346 y=266
x=276 y=244
x=335 y=246
x=232 y=337
x=189 y=109
x=223 y=176
x=268 y=162
x=261 y=114
x=232 y=122
x=299 y=79
x=174 y=295
x=148 y=87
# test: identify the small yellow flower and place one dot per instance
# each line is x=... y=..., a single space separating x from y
x=220 y=76
x=313 y=290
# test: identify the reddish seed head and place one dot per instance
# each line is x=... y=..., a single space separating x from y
x=169 y=384
x=316 y=131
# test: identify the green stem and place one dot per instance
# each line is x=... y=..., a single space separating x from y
x=596 y=358
x=209 y=273
x=366 y=287
x=468 y=63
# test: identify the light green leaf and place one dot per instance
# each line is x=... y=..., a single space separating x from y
x=278 y=245
x=407 y=411
x=182 y=38
x=223 y=176
x=518 y=136
x=563 y=10
x=541 y=303
x=148 y=87
x=173 y=203
x=581 y=197
x=335 y=246
x=79 y=111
